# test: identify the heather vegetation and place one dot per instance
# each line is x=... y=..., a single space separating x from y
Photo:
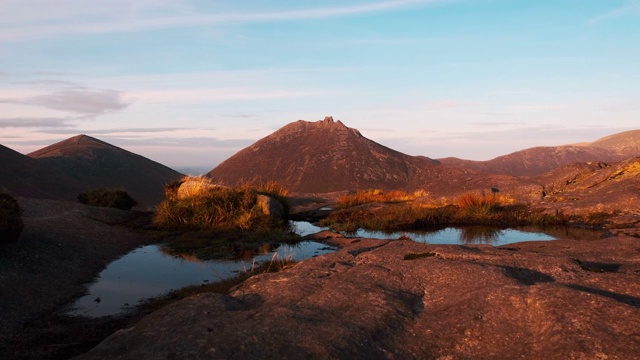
x=212 y=221
x=114 y=198
x=10 y=219
x=468 y=209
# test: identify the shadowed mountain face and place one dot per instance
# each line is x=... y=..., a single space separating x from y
x=25 y=176
x=91 y=163
x=539 y=160
x=327 y=156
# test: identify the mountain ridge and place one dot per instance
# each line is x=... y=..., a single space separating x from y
x=541 y=159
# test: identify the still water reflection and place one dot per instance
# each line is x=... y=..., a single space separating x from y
x=149 y=272
x=454 y=236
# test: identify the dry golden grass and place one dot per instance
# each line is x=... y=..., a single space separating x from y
x=377 y=195
x=204 y=205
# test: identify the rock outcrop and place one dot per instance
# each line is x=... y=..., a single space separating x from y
x=270 y=206
x=373 y=299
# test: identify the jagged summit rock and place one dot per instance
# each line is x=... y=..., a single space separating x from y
x=328 y=120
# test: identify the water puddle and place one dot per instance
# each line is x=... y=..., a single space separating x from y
x=463 y=235
x=148 y=272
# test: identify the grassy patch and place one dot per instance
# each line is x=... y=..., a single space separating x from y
x=114 y=198
x=482 y=204
x=218 y=208
x=470 y=209
x=377 y=195
x=415 y=256
x=209 y=221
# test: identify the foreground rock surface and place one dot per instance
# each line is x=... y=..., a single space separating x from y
x=63 y=246
x=561 y=299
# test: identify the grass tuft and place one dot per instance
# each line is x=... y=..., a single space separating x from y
x=482 y=204
x=377 y=195
x=114 y=198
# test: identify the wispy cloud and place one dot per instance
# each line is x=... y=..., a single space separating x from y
x=89 y=18
x=114 y=131
x=630 y=8
x=199 y=95
x=24 y=122
x=188 y=142
x=88 y=102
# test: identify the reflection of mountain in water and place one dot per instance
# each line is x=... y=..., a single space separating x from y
x=479 y=235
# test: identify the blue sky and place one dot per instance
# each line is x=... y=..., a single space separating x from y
x=192 y=82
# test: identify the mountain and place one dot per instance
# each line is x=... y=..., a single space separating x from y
x=28 y=177
x=326 y=156
x=539 y=160
x=94 y=163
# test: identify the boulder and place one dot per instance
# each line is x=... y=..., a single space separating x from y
x=270 y=206
x=194 y=187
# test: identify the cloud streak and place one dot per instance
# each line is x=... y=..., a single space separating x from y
x=90 y=102
x=24 y=122
x=74 y=22
x=630 y=8
x=116 y=131
x=87 y=102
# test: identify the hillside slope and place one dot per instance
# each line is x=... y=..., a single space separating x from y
x=94 y=163
x=539 y=160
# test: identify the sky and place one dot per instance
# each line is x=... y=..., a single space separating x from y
x=191 y=82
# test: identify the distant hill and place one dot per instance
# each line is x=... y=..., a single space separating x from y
x=626 y=144
x=539 y=160
x=326 y=156
x=95 y=163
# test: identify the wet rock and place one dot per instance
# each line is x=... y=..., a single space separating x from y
x=366 y=301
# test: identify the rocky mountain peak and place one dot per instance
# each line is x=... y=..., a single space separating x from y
x=328 y=120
